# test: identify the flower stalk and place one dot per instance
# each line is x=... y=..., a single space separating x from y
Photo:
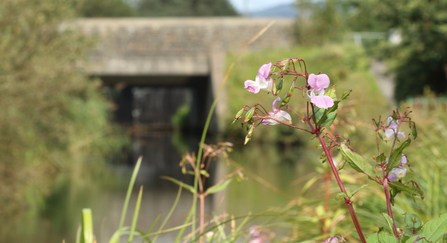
x=347 y=199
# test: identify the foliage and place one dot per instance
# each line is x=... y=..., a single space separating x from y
x=104 y=8
x=54 y=119
x=312 y=26
x=418 y=60
x=182 y=8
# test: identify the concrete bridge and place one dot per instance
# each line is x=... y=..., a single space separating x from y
x=174 y=53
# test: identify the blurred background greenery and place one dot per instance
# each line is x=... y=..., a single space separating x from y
x=55 y=127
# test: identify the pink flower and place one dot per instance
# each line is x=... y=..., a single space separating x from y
x=391 y=130
x=262 y=81
x=277 y=114
x=334 y=239
x=397 y=174
x=317 y=85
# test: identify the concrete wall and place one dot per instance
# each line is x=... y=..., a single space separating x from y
x=178 y=46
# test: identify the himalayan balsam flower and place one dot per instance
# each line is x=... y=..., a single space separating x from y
x=317 y=85
x=334 y=239
x=277 y=114
x=399 y=172
x=262 y=81
x=256 y=235
x=391 y=130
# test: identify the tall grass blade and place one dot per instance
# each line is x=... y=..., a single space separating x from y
x=87 y=226
x=135 y=215
x=174 y=206
x=117 y=234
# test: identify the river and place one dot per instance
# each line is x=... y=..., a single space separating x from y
x=273 y=177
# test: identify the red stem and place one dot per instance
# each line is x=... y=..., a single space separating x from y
x=388 y=206
x=348 y=201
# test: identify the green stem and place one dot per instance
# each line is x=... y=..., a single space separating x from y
x=348 y=201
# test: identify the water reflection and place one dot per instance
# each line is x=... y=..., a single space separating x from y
x=271 y=171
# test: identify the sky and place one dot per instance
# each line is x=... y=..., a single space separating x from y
x=256 y=5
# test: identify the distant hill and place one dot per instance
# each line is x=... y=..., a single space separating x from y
x=280 y=11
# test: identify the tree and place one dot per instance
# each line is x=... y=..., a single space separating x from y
x=319 y=21
x=182 y=8
x=53 y=118
x=104 y=8
x=420 y=59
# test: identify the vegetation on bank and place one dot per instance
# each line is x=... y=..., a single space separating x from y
x=54 y=118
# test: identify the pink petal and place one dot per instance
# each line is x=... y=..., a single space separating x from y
x=274 y=104
x=252 y=86
x=320 y=81
x=264 y=70
x=322 y=101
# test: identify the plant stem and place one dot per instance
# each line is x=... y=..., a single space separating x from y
x=348 y=201
x=388 y=206
x=202 y=216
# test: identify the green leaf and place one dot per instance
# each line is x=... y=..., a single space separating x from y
x=435 y=228
x=330 y=118
x=87 y=226
x=117 y=235
x=376 y=123
x=346 y=94
x=372 y=238
x=386 y=238
x=340 y=195
x=396 y=157
x=404 y=188
x=331 y=92
x=413 y=221
x=356 y=161
x=416 y=239
x=389 y=221
x=381 y=159
x=219 y=187
x=358 y=189
x=186 y=186
x=381 y=237
x=325 y=117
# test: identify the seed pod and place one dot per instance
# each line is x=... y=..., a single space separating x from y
x=249 y=114
x=277 y=87
x=238 y=115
